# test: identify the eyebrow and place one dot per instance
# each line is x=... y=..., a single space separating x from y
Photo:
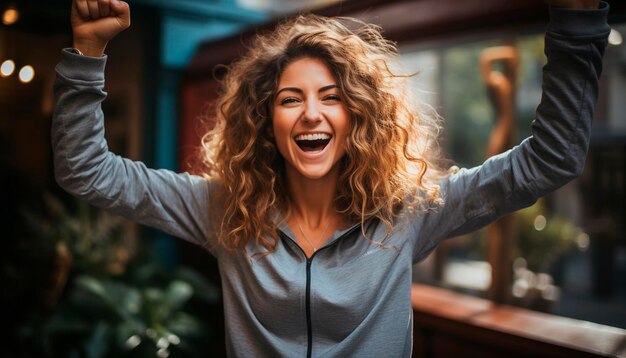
x=299 y=90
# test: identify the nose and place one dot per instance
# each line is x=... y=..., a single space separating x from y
x=312 y=112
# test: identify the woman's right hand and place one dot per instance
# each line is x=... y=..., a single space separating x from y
x=96 y=22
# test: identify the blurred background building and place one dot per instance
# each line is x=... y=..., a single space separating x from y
x=78 y=282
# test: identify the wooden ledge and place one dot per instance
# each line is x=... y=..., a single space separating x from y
x=445 y=319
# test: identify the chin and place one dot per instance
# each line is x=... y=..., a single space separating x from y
x=314 y=174
x=315 y=171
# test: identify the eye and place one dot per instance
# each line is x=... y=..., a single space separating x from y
x=288 y=100
x=332 y=97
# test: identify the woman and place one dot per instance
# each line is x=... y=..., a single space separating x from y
x=321 y=186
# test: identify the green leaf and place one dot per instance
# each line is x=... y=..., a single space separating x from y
x=91 y=285
x=131 y=301
x=177 y=293
x=184 y=325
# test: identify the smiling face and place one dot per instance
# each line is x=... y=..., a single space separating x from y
x=310 y=121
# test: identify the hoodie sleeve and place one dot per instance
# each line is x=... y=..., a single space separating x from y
x=83 y=165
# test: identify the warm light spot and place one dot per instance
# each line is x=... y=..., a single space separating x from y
x=27 y=73
x=615 y=38
x=10 y=16
x=540 y=222
x=7 y=68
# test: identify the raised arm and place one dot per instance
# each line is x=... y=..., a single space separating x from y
x=553 y=155
x=174 y=203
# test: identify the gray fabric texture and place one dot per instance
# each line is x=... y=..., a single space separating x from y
x=352 y=298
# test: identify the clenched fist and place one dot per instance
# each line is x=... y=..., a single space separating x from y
x=96 y=22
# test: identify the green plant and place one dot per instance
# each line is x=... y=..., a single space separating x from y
x=93 y=237
x=146 y=314
x=543 y=238
x=113 y=306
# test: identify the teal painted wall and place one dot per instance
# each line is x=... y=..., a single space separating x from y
x=184 y=25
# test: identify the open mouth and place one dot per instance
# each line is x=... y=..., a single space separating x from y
x=314 y=142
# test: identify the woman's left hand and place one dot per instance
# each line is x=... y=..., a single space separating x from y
x=575 y=4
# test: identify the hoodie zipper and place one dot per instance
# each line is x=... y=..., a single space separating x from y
x=309 y=260
x=309 y=325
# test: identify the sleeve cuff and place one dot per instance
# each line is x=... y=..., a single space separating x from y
x=84 y=68
x=579 y=23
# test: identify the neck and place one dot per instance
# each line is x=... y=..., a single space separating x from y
x=312 y=200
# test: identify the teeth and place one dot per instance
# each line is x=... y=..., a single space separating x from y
x=313 y=136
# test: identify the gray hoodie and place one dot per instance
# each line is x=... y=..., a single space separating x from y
x=351 y=298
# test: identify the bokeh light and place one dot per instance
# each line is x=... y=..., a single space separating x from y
x=27 y=73
x=10 y=16
x=615 y=38
x=7 y=68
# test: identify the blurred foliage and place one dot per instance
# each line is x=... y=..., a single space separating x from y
x=93 y=237
x=148 y=313
x=541 y=243
x=115 y=304
x=540 y=248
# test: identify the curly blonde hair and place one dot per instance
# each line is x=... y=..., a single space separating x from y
x=391 y=155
